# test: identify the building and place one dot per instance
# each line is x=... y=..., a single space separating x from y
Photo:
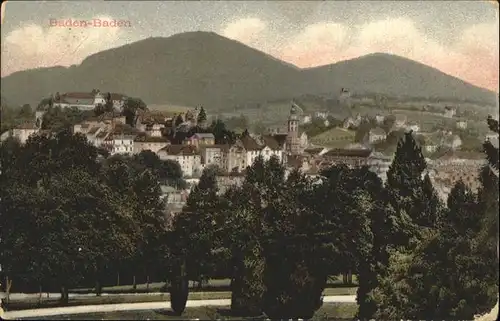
x=154 y=130
x=200 y=139
x=315 y=151
x=292 y=140
x=306 y=119
x=413 y=126
x=144 y=142
x=119 y=143
x=452 y=141
x=321 y=115
x=400 y=121
x=379 y=164
x=24 y=131
x=376 y=135
x=461 y=124
x=88 y=100
x=449 y=112
x=186 y=155
x=349 y=157
x=352 y=122
x=214 y=155
x=379 y=119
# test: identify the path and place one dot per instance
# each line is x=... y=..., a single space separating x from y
x=139 y=306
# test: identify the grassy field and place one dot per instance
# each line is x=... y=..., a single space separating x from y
x=170 y=108
x=328 y=311
x=33 y=303
x=212 y=285
x=334 y=138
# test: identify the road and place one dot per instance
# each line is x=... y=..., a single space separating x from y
x=139 y=306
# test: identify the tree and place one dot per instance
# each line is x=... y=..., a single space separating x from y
x=179 y=289
x=178 y=120
x=388 y=123
x=447 y=275
x=405 y=191
x=130 y=108
x=296 y=260
x=362 y=132
x=194 y=228
x=202 y=116
x=26 y=111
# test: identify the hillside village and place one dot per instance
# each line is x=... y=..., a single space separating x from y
x=289 y=143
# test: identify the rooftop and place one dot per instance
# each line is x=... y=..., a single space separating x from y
x=185 y=150
x=348 y=153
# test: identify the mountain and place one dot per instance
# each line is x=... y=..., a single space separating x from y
x=204 y=68
x=394 y=76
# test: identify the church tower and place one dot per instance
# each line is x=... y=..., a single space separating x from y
x=292 y=139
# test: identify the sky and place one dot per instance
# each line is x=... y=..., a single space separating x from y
x=459 y=38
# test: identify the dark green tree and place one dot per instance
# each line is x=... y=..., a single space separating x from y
x=202 y=116
x=179 y=289
x=178 y=120
x=296 y=259
x=131 y=106
x=195 y=227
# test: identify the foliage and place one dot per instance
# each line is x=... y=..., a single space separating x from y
x=130 y=108
x=194 y=228
x=388 y=123
x=68 y=219
x=202 y=116
x=13 y=117
x=363 y=131
x=447 y=275
x=57 y=118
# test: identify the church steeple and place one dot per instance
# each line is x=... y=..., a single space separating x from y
x=293 y=143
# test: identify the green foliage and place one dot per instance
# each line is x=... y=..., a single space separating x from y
x=316 y=127
x=388 y=123
x=445 y=276
x=202 y=116
x=130 y=108
x=69 y=219
x=56 y=118
x=448 y=270
x=363 y=131
x=179 y=289
x=194 y=228
x=13 y=117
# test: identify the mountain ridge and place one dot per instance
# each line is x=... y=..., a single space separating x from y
x=198 y=67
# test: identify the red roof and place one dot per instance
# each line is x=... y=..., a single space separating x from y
x=186 y=150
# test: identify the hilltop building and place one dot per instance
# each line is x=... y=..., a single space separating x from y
x=87 y=100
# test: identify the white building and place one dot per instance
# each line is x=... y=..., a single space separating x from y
x=449 y=112
x=23 y=132
x=120 y=143
x=413 y=127
x=462 y=124
x=214 y=155
x=186 y=155
x=377 y=135
x=87 y=101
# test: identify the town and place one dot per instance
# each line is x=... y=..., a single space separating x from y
x=273 y=160
x=289 y=143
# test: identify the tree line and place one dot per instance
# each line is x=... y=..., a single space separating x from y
x=69 y=218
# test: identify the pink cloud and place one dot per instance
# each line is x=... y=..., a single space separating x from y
x=474 y=58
